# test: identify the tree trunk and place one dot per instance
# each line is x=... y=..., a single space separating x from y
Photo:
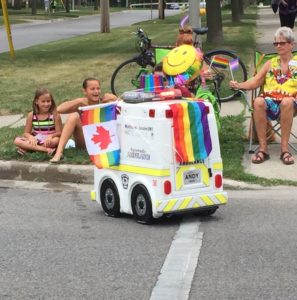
x=17 y=4
x=104 y=14
x=241 y=7
x=67 y=6
x=33 y=8
x=96 y=5
x=235 y=10
x=214 y=22
x=161 y=9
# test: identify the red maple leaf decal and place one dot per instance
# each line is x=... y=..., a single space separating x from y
x=102 y=138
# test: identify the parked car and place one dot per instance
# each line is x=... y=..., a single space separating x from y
x=173 y=6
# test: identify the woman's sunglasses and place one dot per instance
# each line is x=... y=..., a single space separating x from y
x=275 y=44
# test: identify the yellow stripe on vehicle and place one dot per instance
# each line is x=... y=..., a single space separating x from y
x=185 y=203
x=190 y=202
x=93 y=195
x=207 y=200
x=158 y=203
x=196 y=205
x=221 y=198
x=141 y=170
x=170 y=205
x=217 y=166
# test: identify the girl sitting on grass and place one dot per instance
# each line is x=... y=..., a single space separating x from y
x=43 y=125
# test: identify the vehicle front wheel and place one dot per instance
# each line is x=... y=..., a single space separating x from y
x=110 y=199
x=141 y=205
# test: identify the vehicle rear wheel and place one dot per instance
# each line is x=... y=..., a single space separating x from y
x=110 y=199
x=141 y=205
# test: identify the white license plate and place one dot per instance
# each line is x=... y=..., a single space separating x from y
x=192 y=176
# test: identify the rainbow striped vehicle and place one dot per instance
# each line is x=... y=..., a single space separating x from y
x=170 y=161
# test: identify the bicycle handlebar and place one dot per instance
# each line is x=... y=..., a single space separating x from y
x=144 y=42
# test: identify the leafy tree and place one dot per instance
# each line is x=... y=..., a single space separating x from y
x=214 y=22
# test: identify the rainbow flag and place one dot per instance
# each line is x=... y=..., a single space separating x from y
x=220 y=62
x=99 y=128
x=191 y=131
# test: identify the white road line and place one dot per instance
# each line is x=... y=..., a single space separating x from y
x=177 y=273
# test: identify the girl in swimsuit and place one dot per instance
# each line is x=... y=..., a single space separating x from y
x=43 y=125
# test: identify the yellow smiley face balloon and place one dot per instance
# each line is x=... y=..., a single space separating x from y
x=183 y=59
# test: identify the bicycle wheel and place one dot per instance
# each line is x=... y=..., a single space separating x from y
x=223 y=73
x=126 y=76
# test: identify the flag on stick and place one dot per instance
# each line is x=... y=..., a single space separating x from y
x=99 y=129
x=220 y=62
x=234 y=64
x=191 y=131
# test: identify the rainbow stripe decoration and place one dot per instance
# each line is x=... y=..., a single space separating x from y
x=220 y=62
x=151 y=83
x=100 y=134
x=191 y=131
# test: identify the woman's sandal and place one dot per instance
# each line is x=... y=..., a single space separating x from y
x=285 y=158
x=260 y=157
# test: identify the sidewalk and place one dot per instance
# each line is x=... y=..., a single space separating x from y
x=273 y=168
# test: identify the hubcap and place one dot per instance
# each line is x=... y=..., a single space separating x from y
x=109 y=198
x=140 y=205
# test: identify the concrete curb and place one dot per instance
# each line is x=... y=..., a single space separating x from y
x=80 y=174
x=45 y=172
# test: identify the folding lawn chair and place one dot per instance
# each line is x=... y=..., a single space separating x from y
x=273 y=126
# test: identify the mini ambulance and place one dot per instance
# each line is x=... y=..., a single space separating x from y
x=149 y=182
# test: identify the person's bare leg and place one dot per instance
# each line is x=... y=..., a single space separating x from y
x=69 y=128
x=260 y=119
x=78 y=137
x=286 y=120
x=25 y=145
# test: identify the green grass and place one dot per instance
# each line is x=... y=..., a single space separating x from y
x=61 y=66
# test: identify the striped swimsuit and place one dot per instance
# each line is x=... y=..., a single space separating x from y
x=42 y=128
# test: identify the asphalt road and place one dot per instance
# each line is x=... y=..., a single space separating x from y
x=59 y=245
x=35 y=33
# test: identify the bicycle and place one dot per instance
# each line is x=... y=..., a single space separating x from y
x=127 y=75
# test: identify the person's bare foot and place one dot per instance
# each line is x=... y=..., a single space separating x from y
x=57 y=158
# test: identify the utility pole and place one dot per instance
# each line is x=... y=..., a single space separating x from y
x=104 y=14
x=194 y=15
x=7 y=27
